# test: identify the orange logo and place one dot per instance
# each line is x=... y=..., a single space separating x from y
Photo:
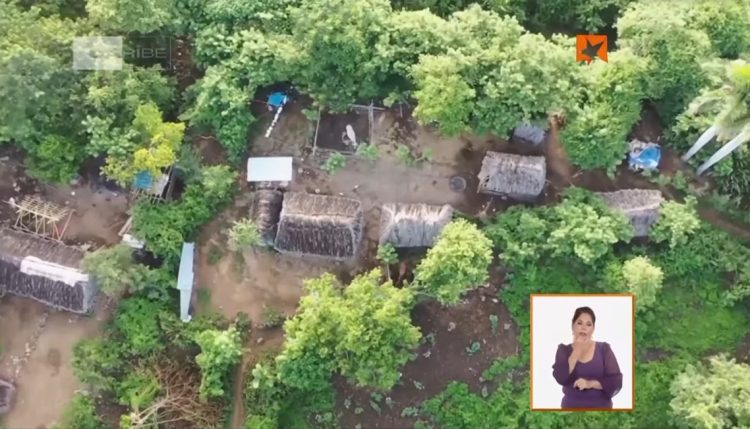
x=590 y=46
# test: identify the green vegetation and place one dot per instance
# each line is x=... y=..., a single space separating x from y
x=334 y=163
x=244 y=234
x=324 y=335
x=165 y=226
x=220 y=351
x=80 y=414
x=458 y=262
x=464 y=69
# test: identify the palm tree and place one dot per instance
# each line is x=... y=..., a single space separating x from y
x=732 y=123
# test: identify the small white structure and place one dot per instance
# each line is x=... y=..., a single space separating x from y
x=185 y=280
x=271 y=170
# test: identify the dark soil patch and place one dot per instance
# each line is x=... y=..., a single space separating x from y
x=182 y=64
x=332 y=131
x=437 y=364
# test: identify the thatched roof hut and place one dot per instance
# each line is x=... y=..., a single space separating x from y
x=641 y=206
x=515 y=176
x=413 y=225
x=44 y=270
x=7 y=393
x=265 y=210
x=319 y=225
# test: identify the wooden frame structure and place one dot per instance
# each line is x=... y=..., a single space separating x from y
x=152 y=194
x=42 y=218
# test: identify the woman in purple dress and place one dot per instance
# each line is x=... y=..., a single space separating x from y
x=586 y=369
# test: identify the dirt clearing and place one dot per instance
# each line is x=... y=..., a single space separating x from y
x=458 y=344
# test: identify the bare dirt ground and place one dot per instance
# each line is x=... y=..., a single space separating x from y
x=443 y=357
x=36 y=342
x=37 y=349
x=273 y=280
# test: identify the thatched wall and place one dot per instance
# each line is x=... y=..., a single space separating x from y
x=7 y=393
x=515 y=176
x=413 y=225
x=319 y=225
x=17 y=247
x=641 y=206
x=265 y=209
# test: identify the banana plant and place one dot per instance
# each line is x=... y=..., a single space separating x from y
x=732 y=124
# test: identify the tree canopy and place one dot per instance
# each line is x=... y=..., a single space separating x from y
x=364 y=331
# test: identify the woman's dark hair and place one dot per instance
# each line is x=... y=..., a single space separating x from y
x=581 y=310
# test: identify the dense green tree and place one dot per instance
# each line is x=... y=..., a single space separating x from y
x=222 y=104
x=676 y=222
x=675 y=51
x=336 y=39
x=117 y=94
x=115 y=272
x=137 y=321
x=495 y=76
x=220 y=351
x=580 y=226
x=590 y=16
x=587 y=231
x=164 y=227
x=727 y=24
x=458 y=262
x=141 y=16
x=326 y=334
x=596 y=135
x=712 y=396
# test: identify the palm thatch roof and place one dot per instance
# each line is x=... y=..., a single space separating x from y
x=44 y=270
x=265 y=209
x=641 y=206
x=7 y=392
x=319 y=225
x=413 y=225
x=516 y=176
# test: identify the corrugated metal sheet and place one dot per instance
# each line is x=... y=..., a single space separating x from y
x=269 y=169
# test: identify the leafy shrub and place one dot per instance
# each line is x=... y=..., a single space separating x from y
x=56 y=159
x=676 y=222
x=220 y=350
x=164 y=227
x=458 y=262
x=243 y=234
x=712 y=396
x=80 y=414
x=325 y=334
x=334 y=163
x=115 y=272
x=726 y=23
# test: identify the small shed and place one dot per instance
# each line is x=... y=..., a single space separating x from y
x=515 y=176
x=270 y=171
x=319 y=225
x=44 y=270
x=265 y=210
x=529 y=134
x=186 y=279
x=640 y=206
x=413 y=225
x=7 y=394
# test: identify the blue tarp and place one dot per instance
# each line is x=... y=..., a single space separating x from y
x=143 y=180
x=277 y=99
x=646 y=159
